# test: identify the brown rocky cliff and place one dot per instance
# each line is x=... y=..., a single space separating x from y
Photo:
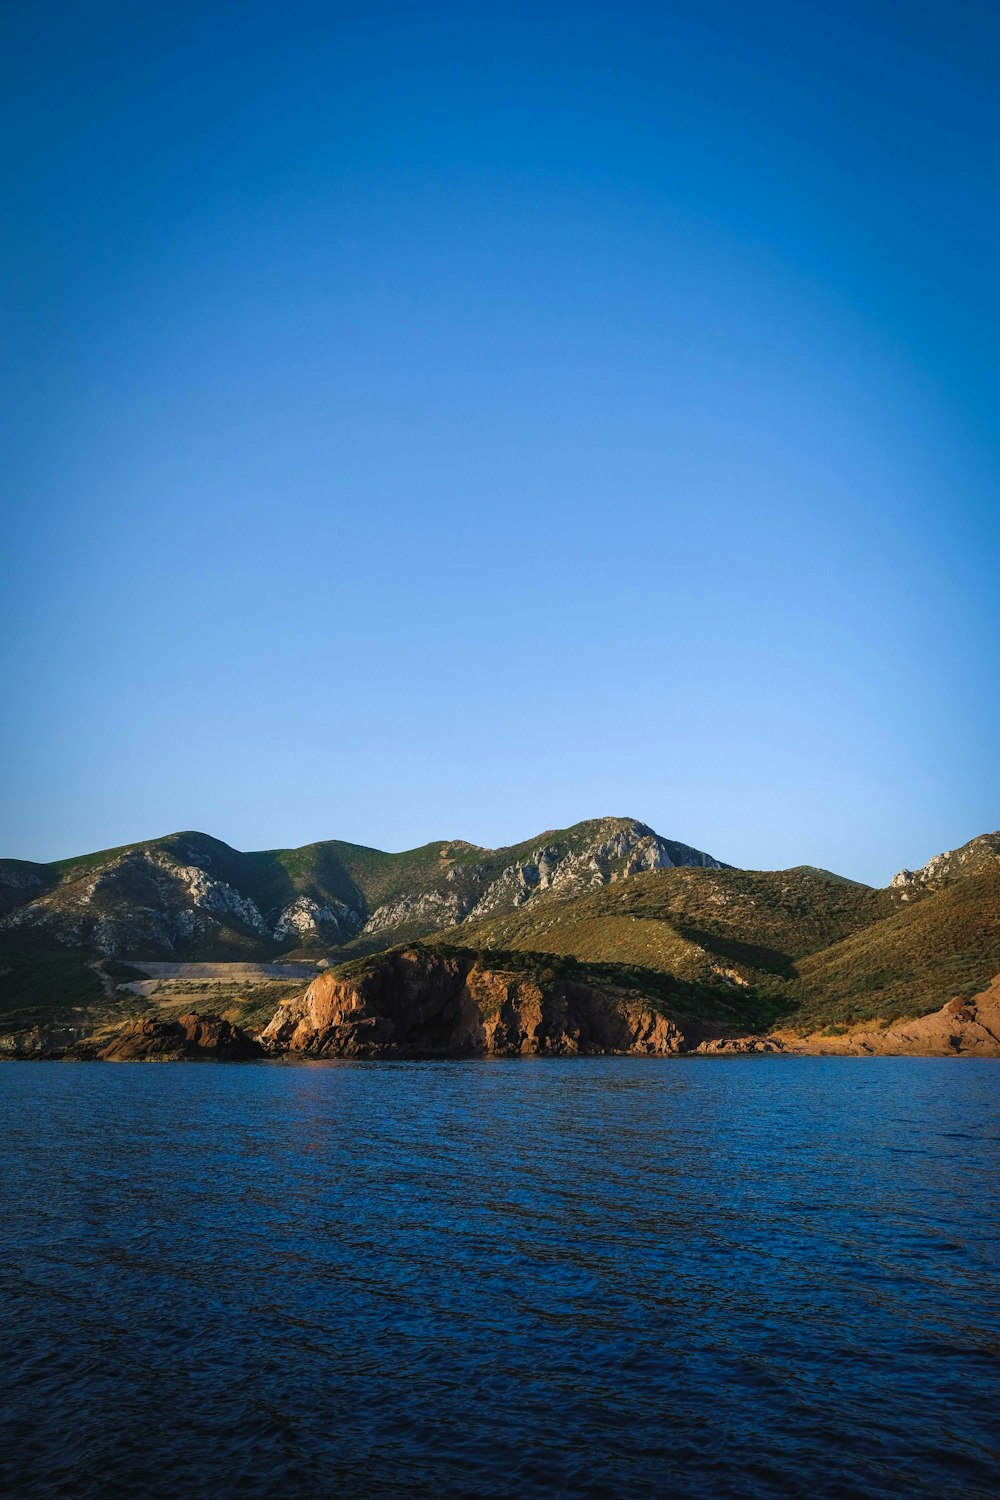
x=188 y=1038
x=414 y=1002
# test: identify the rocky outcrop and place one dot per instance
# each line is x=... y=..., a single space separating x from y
x=303 y=919
x=41 y=1042
x=978 y=854
x=961 y=1027
x=417 y=1002
x=429 y=911
x=190 y=1038
x=740 y=1046
x=597 y=853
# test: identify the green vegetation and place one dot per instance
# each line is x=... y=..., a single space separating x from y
x=800 y=947
x=803 y=948
x=36 y=987
x=725 y=1007
x=694 y=922
x=911 y=962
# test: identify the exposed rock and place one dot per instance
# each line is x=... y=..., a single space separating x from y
x=740 y=1045
x=967 y=1027
x=42 y=1041
x=414 y=1002
x=431 y=910
x=305 y=918
x=976 y=855
x=213 y=895
x=140 y=900
x=188 y=1038
x=614 y=849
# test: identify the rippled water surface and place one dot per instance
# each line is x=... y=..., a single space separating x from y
x=611 y=1277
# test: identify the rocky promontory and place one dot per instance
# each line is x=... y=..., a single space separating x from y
x=189 y=1038
x=426 y=1002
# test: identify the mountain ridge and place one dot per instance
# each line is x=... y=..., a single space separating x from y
x=606 y=914
x=191 y=895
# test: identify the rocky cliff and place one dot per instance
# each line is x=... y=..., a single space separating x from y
x=420 y=1002
x=189 y=1038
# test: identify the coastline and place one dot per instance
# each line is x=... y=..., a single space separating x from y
x=960 y=1029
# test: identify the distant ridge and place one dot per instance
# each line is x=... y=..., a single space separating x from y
x=191 y=896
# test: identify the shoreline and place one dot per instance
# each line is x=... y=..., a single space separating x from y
x=335 y=1020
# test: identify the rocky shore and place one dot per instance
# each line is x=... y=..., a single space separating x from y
x=417 y=1002
x=959 y=1028
x=189 y=1038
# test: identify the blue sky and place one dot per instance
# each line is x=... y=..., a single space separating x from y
x=450 y=421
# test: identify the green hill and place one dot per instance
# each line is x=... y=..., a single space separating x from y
x=800 y=944
x=190 y=897
x=641 y=915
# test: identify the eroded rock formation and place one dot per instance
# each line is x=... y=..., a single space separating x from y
x=412 y=1002
x=189 y=1038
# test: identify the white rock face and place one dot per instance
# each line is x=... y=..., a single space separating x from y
x=434 y=907
x=73 y=914
x=113 y=936
x=510 y=890
x=39 y=914
x=625 y=852
x=216 y=896
x=976 y=855
x=306 y=918
x=618 y=852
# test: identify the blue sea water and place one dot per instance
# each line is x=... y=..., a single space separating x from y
x=605 y=1277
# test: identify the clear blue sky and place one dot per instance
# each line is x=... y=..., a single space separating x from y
x=428 y=420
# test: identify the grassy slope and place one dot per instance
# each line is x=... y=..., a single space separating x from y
x=811 y=947
x=909 y=963
x=37 y=988
x=692 y=922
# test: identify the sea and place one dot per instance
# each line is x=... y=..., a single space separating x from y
x=607 y=1277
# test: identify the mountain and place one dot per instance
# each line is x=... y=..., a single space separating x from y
x=810 y=944
x=191 y=896
x=591 y=932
